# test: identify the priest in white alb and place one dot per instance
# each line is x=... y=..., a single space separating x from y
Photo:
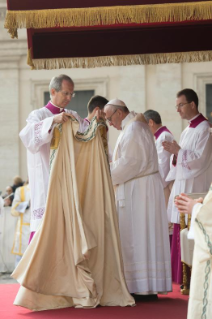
x=140 y=203
x=191 y=167
x=36 y=137
x=200 y=299
x=161 y=134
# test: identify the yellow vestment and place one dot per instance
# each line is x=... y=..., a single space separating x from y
x=75 y=258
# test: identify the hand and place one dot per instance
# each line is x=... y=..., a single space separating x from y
x=62 y=117
x=171 y=147
x=185 y=204
x=100 y=114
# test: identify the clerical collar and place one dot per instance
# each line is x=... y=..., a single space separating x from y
x=129 y=116
x=54 y=108
x=161 y=130
x=199 y=118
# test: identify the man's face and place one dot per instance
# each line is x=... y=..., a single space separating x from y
x=184 y=108
x=64 y=96
x=8 y=190
x=114 y=117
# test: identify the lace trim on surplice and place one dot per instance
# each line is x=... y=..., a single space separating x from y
x=38 y=213
x=38 y=128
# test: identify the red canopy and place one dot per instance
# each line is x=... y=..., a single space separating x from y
x=70 y=33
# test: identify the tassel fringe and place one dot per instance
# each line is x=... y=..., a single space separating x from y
x=122 y=60
x=78 y=17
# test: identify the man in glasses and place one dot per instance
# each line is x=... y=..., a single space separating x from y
x=36 y=137
x=191 y=168
x=140 y=204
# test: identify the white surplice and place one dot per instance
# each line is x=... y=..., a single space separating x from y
x=36 y=137
x=161 y=135
x=200 y=301
x=141 y=209
x=193 y=170
x=163 y=155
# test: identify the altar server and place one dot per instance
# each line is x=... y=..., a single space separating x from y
x=161 y=134
x=191 y=167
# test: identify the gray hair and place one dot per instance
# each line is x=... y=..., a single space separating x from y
x=56 y=82
x=152 y=115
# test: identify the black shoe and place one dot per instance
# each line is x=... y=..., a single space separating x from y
x=145 y=297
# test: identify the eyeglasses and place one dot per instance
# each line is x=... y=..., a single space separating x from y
x=180 y=105
x=68 y=94
x=109 y=119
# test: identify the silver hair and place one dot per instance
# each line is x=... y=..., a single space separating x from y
x=56 y=82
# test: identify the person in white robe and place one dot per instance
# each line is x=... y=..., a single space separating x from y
x=191 y=168
x=36 y=137
x=200 y=300
x=21 y=209
x=161 y=134
x=140 y=203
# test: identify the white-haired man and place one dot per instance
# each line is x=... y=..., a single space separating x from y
x=140 y=203
x=36 y=137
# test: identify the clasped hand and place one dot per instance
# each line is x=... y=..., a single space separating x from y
x=185 y=204
x=171 y=147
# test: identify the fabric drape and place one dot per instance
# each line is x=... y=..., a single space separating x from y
x=74 y=259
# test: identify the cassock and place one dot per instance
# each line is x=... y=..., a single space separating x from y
x=36 y=137
x=141 y=209
x=192 y=173
x=74 y=258
x=200 y=300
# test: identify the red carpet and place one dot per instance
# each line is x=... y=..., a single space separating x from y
x=172 y=306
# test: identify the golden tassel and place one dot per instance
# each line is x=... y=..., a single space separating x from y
x=121 y=60
x=77 y=17
x=29 y=59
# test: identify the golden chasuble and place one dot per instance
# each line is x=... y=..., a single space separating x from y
x=75 y=258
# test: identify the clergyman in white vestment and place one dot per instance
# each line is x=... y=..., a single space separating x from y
x=140 y=203
x=200 y=300
x=161 y=134
x=191 y=167
x=36 y=137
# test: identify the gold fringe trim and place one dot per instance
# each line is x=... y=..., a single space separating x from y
x=29 y=59
x=78 y=17
x=121 y=60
